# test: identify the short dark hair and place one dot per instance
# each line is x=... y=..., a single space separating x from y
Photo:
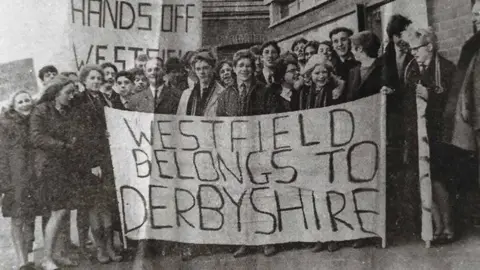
x=339 y=30
x=137 y=72
x=298 y=41
x=173 y=64
x=242 y=54
x=187 y=58
x=142 y=57
x=314 y=44
x=326 y=42
x=125 y=74
x=281 y=65
x=397 y=24
x=270 y=43
x=44 y=70
x=204 y=56
x=369 y=42
x=256 y=49
x=109 y=65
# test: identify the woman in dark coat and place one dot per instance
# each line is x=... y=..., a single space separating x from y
x=96 y=160
x=17 y=178
x=53 y=138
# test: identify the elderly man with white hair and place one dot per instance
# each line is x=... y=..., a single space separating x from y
x=436 y=82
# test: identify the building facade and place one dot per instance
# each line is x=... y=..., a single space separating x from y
x=313 y=19
x=231 y=25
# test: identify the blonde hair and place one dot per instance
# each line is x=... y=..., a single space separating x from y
x=10 y=106
x=425 y=36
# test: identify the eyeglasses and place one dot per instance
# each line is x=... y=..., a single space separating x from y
x=418 y=47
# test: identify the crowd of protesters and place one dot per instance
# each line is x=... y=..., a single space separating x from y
x=55 y=153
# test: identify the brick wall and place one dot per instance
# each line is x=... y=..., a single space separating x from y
x=451 y=20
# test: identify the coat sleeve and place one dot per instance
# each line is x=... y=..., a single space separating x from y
x=5 y=177
x=38 y=135
x=221 y=104
x=182 y=104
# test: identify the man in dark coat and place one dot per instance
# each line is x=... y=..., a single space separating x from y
x=401 y=73
x=159 y=97
x=246 y=96
x=436 y=79
x=365 y=79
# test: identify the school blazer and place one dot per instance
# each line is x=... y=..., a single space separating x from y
x=144 y=101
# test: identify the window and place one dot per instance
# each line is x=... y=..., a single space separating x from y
x=286 y=8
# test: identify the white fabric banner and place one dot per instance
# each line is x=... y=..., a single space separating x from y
x=306 y=176
x=118 y=31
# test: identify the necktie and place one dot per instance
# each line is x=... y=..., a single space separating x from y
x=156 y=95
x=423 y=67
x=243 y=92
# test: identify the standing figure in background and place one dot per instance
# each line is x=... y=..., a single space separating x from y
x=159 y=98
x=343 y=61
x=18 y=182
x=109 y=96
x=284 y=95
x=141 y=61
x=47 y=73
x=298 y=48
x=124 y=87
x=176 y=77
x=270 y=53
x=366 y=78
x=187 y=64
x=325 y=47
x=311 y=48
x=140 y=80
x=224 y=72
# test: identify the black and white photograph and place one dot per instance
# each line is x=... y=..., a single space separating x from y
x=239 y=134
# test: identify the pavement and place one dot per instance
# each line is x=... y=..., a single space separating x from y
x=463 y=254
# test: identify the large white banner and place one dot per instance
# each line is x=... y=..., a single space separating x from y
x=314 y=175
x=118 y=31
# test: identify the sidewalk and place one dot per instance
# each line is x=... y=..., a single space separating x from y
x=463 y=254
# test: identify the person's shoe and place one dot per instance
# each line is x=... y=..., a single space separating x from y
x=48 y=265
x=28 y=266
x=359 y=243
x=114 y=256
x=242 y=251
x=269 y=250
x=186 y=254
x=319 y=246
x=333 y=246
x=102 y=257
x=65 y=261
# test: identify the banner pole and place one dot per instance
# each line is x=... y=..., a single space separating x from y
x=383 y=162
x=424 y=171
